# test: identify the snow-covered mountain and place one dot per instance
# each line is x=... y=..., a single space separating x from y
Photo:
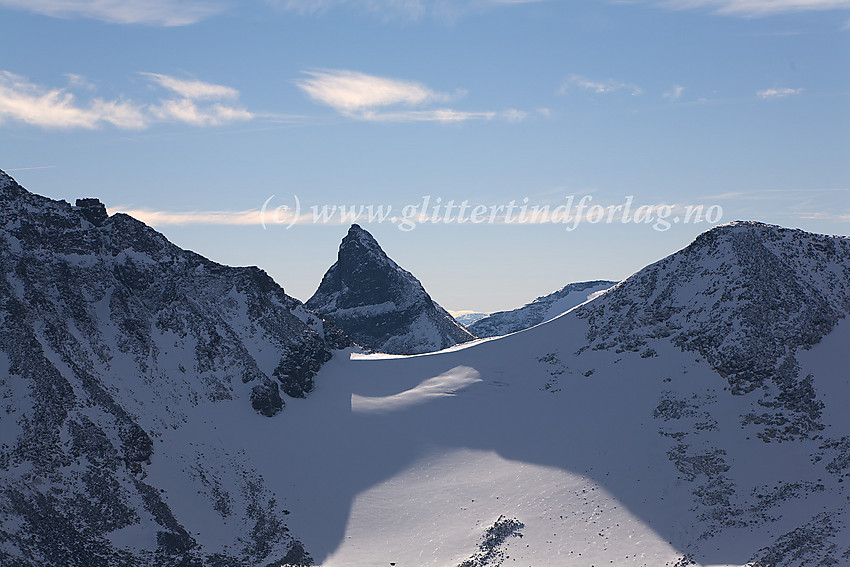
x=467 y=319
x=694 y=414
x=112 y=339
x=538 y=311
x=381 y=306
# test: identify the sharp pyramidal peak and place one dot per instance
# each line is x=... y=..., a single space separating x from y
x=380 y=305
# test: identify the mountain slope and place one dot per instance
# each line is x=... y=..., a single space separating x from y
x=609 y=439
x=467 y=319
x=695 y=414
x=111 y=337
x=747 y=297
x=541 y=309
x=379 y=305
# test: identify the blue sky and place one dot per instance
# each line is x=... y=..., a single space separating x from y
x=192 y=115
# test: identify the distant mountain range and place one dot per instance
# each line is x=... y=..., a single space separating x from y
x=467 y=319
x=538 y=311
x=159 y=409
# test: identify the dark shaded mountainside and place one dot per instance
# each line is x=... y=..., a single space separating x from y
x=111 y=334
x=381 y=306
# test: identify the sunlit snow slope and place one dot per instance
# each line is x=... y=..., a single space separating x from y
x=629 y=431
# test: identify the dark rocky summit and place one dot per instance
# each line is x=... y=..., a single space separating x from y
x=379 y=305
x=746 y=296
x=110 y=336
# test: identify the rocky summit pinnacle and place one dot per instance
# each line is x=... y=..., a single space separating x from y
x=380 y=305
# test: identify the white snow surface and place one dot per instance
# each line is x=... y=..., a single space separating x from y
x=408 y=460
x=540 y=310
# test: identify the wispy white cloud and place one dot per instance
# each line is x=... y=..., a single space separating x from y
x=178 y=218
x=437 y=115
x=675 y=93
x=350 y=92
x=75 y=80
x=150 y=12
x=23 y=101
x=778 y=93
x=754 y=8
x=45 y=107
x=192 y=89
x=606 y=86
x=381 y=99
x=187 y=111
x=391 y=10
x=385 y=9
x=403 y=10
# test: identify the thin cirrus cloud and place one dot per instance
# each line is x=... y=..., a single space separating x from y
x=26 y=102
x=606 y=86
x=182 y=218
x=380 y=99
x=148 y=12
x=778 y=93
x=756 y=8
x=416 y=9
x=195 y=90
x=675 y=93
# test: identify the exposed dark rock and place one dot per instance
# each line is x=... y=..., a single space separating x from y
x=92 y=210
x=111 y=335
x=746 y=297
x=265 y=398
x=379 y=305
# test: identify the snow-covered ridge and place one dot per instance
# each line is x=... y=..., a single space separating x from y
x=542 y=309
x=747 y=296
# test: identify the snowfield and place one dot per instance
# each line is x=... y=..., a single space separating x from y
x=159 y=409
x=409 y=460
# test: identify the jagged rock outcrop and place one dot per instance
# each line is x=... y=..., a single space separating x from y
x=111 y=336
x=538 y=311
x=379 y=305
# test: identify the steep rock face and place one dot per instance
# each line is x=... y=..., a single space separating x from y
x=746 y=296
x=111 y=336
x=538 y=311
x=379 y=305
